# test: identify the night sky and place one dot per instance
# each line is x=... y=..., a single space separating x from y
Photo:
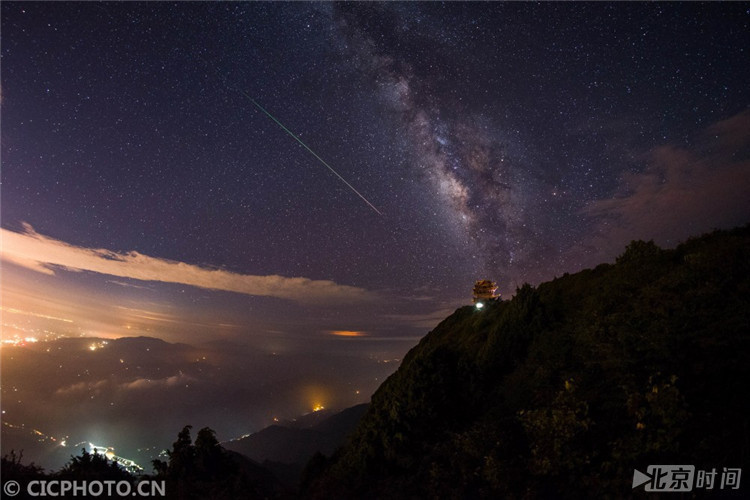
x=145 y=193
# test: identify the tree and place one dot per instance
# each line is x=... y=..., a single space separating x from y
x=12 y=468
x=204 y=469
x=93 y=466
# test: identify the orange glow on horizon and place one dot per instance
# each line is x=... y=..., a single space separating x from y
x=348 y=333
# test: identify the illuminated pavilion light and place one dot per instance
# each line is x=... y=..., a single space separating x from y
x=479 y=305
x=318 y=407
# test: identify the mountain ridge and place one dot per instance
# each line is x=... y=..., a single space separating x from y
x=285 y=448
x=566 y=388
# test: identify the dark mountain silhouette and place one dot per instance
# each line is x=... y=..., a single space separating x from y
x=565 y=389
x=286 y=448
x=308 y=420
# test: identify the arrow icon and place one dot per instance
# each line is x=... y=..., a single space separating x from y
x=639 y=478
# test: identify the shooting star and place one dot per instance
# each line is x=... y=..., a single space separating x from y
x=321 y=160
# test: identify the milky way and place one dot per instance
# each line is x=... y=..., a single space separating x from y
x=144 y=194
x=519 y=197
x=508 y=141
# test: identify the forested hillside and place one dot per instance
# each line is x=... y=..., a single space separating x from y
x=568 y=387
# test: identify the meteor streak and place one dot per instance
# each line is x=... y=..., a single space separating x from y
x=310 y=150
x=321 y=160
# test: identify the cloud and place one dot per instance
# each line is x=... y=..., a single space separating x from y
x=90 y=388
x=135 y=314
x=13 y=310
x=96 y=388
x=146 y=383
x=127 y=285
x=40 y=253
x=682 y=192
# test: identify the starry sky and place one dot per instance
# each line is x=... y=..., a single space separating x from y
x=144 y=192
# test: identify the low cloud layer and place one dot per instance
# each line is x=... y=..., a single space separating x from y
x=40 y=253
